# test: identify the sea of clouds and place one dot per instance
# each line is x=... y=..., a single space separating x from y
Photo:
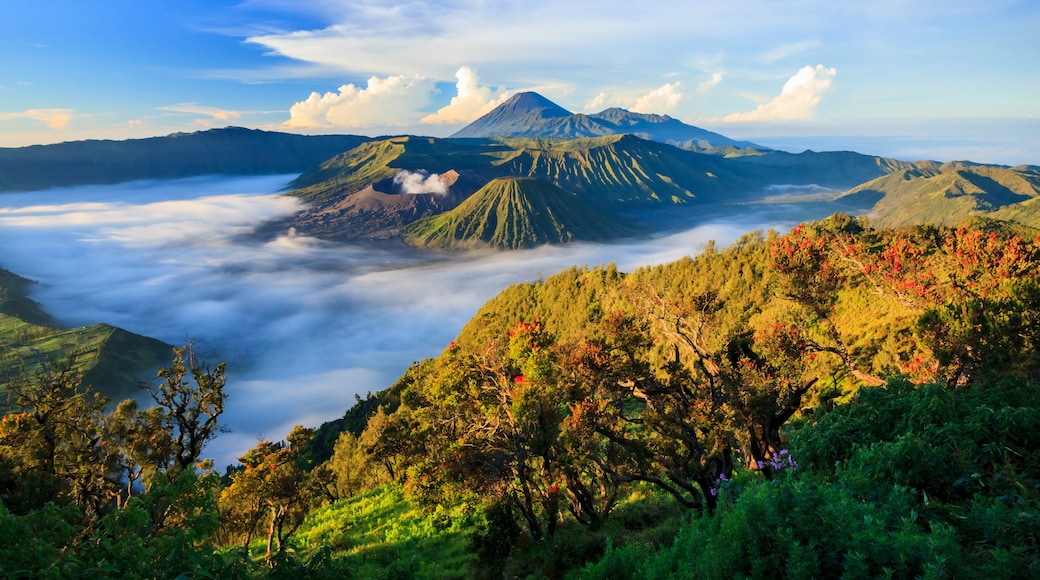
x=303 y=324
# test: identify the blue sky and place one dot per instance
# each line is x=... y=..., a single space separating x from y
x=940 y=78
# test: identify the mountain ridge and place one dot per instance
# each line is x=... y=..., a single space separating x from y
x=226 y=151
x=529 y=114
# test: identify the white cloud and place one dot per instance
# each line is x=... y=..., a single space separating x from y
x=55 y=118
x=471 y=101
x=711 y=83
x=798 y=99
x=597 y=103
x=384 y=101
x=661 y=100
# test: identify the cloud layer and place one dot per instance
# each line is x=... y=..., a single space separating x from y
x=304 y=324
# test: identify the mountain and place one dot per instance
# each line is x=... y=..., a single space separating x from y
x=830 y=169
x=374 y=189
x=532 y=115
x=111 y=359
x=516 y=117
x=359 y=193
x=951 y=193
x=515 y=212
x=228 y=151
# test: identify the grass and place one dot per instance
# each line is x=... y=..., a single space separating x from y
x=383 y=535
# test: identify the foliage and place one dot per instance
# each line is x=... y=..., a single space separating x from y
x=572 y=416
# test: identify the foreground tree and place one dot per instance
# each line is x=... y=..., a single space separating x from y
x=192 y=396
x=272 y=494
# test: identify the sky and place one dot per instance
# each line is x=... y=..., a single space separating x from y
x=942 y=79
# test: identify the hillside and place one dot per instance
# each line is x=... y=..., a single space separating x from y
x=360 y=193
x=687 y=378
x=869 y=393
x=948 y=194
x=228 y=151
x=511 y=213
x=111 y=359
x=532 y=115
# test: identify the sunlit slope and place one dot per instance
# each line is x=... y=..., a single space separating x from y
x=111 y=359
x=950 y=193
x=377 y=161
x=623 y=170
x=513 y=213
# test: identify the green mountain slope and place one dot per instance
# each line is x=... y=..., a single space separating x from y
x=951 y=193
x=111 y=359
x=358 y=193
x=355 y=195
x=626 y=170
x=228 y=151
x=512 y=213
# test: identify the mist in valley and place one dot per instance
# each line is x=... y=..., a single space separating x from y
x=304 y=325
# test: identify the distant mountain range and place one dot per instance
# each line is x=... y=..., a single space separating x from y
x=532 y=115
x=359 y=193
x=229 y=151
x=951 y=193
x=556 y=176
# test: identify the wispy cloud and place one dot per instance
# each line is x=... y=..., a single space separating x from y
x=790 y=49
x=54 y=118
x=798 y=99
x=470 y=102
x=393 y=100
x=197 y=109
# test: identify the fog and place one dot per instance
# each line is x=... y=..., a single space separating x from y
x=303 y=324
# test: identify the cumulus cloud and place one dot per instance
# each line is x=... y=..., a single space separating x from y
x=55 y=118
x=384 y=101
x=470 y=102
x=415 y=182
x=598 y=103
x=661 y=100
x=798 y=99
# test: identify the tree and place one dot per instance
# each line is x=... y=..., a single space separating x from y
x=53 y=449
x=275 y=486
x=192 y=410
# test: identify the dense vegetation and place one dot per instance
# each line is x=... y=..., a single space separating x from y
x=835 y=401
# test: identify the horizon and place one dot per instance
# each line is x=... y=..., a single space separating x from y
x=956 y=74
